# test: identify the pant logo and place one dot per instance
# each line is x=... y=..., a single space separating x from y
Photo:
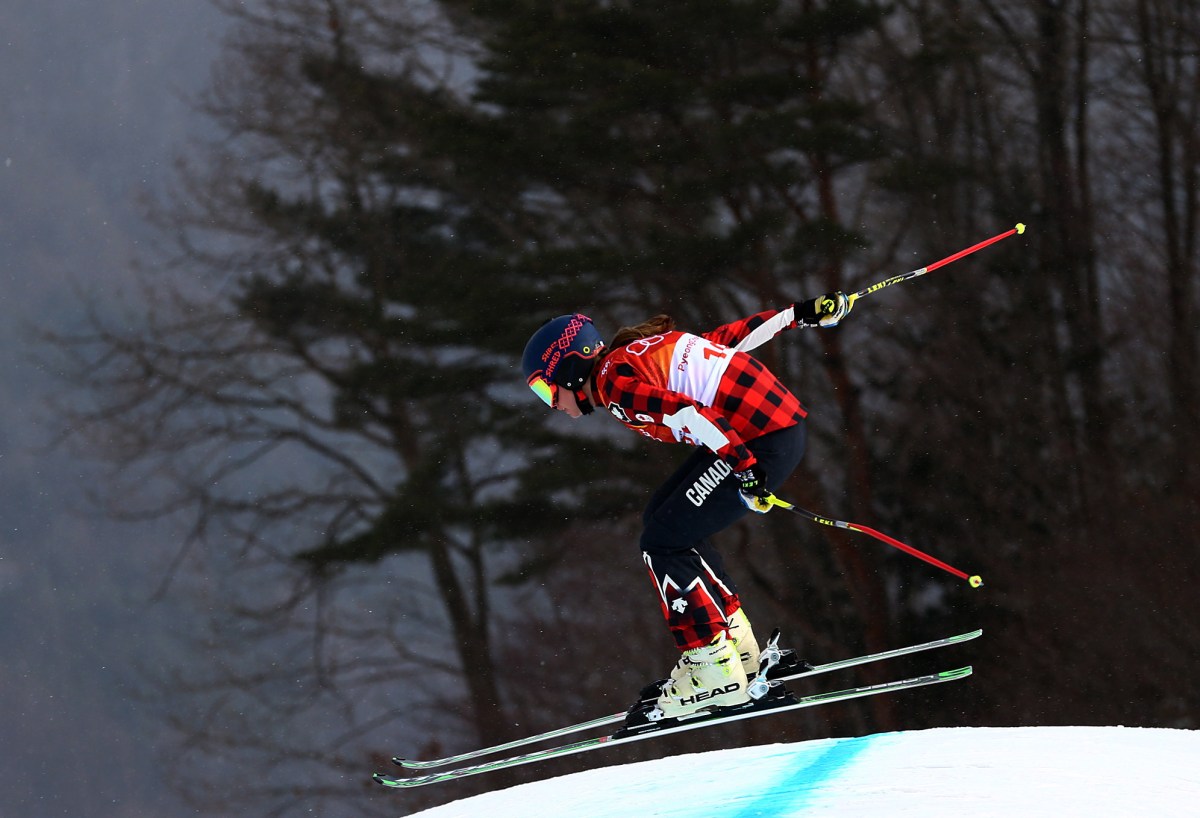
x=708 y=482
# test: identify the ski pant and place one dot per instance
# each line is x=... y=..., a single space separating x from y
x=697 y=501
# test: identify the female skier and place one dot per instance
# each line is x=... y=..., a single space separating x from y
x=748 y=428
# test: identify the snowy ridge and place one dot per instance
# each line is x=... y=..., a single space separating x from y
x=1014 y=772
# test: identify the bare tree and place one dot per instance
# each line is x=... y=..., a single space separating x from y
x=315 y=385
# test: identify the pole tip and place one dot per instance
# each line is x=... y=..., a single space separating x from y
x=1020 y=228
x=975 y=581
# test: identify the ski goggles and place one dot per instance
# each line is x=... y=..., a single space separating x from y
x=545 y=390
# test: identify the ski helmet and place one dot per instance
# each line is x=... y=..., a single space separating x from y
x=561 y=353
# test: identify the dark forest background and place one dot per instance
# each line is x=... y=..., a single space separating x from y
x=392 y=548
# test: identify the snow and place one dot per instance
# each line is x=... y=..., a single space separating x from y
x=982 y=772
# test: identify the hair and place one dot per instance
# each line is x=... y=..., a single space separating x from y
x=653 y=326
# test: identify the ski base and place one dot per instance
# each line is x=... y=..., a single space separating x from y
x=779 y=701
x=789 y=668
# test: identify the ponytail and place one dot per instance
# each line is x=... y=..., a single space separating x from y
x=654 y=326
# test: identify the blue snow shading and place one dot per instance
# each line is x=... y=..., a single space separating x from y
x=807 y=776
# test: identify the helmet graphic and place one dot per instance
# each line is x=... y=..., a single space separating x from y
x=561 y=353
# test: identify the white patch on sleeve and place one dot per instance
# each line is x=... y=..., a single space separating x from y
x=767 y=330
x=689 y=426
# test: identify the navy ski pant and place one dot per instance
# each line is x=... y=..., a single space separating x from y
x=698 y=500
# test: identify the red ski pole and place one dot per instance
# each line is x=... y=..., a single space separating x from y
x=887 y=282
x=974 y=580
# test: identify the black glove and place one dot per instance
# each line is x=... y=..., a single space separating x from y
x=752 y=488
x=753 y=481
x=825 y=311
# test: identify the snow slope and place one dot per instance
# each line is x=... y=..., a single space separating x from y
x=1014 y=772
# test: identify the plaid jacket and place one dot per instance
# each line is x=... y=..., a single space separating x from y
x=701 y=389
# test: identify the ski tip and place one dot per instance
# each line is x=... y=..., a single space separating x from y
x=399 y=762
x=383 y=779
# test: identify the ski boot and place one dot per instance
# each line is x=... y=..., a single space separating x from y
x=712 y=677
x=743 y=641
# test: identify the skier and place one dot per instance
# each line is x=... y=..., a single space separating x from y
x=749 y=431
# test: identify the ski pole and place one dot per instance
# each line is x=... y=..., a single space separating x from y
x=974 y=580
x=887 y=282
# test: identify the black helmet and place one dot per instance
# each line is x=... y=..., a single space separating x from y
x=561 y=353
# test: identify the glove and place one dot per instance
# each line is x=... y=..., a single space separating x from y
x=825 y=311
x=752 y=488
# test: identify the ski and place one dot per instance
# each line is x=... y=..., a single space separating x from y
x=781 y=702
x=786 y=671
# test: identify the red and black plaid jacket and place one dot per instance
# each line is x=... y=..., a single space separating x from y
x=701 y=389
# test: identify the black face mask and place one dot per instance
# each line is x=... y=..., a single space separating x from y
x=585 y=405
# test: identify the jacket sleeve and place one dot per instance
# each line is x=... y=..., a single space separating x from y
x=748 y=333
x=689 y=420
